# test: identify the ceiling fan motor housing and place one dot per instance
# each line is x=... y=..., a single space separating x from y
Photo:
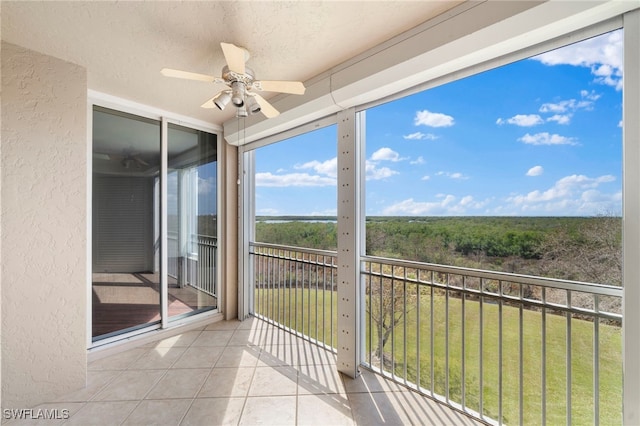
x=231 y=76
x=239 y=84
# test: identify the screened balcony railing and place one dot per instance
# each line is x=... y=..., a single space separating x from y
x=503 y=348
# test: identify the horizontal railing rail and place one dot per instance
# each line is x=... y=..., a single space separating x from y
x=605 y=290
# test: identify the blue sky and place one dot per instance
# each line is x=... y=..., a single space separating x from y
x=539 y=137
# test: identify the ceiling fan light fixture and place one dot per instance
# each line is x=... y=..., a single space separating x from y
x=237 y=93
x=222 y=100
x=242 y=112
x=252 y=105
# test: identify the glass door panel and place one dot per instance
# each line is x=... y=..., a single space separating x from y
x=191 y=221
x=125 y=271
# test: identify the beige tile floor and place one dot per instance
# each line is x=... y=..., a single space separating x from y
x=239 y=373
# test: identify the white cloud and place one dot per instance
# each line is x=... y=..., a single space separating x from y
x=206 y=186
x=545 y=138
x=560 y=118
x=419 y=136
x=417 y=208
x=327 y=172
x=373 y=172
x=293 y=179
x=574 y=194
x=455 y=175
x=426 y=177
x=327 y=168
x=602 y=55
x=446 y=205
x=432 y=119
x=562 y=106
x=386 y=154
x=562 y=111
x=522 y=120
x=535 y=171
x=590 y=95
x=419 y=160
x=586 y=102
x=268 y=212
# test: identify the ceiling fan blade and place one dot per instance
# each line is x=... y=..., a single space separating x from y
x=265 y=107
x=168 y=72
x=293 y=87
x=235 y=57
x=139 y=160
x=101 y=156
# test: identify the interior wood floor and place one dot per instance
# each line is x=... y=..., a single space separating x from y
x=122 y=301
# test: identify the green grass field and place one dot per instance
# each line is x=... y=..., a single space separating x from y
x=309 y=310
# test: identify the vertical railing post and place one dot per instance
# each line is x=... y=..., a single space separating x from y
x=463 y=377
x=418 y=301
x=596 y=361
x=481 y=348
x=568 y=355
x=543 y=355
x=521 y=358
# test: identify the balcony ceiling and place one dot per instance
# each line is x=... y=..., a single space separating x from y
x=123 y=45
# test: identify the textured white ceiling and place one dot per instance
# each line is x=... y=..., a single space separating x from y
x=124 y=45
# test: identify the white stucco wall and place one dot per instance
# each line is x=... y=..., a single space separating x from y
x=43 y=172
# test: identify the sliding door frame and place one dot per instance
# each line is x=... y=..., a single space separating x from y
x=164 y=118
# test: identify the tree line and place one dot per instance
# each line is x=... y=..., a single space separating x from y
x=575 y=248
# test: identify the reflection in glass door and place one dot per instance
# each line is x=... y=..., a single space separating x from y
x=191 y=222
x=125 y=273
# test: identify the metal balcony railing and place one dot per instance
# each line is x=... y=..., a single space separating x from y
x=205 y=270
x=197 y=268
x=503 y=348
x=296 y=288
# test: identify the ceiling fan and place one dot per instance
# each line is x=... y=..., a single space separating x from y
x=127 y=159
x=242 y=84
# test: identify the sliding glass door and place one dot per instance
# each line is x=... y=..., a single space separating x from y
x=191 y=221
x=127 y=280
x=126 y=170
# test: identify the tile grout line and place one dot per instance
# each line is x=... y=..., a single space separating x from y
x=159 y=379
x=195 y=396
x=246 y=396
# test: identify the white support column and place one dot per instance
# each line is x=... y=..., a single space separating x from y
x=348 y=245
x=631 y=227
